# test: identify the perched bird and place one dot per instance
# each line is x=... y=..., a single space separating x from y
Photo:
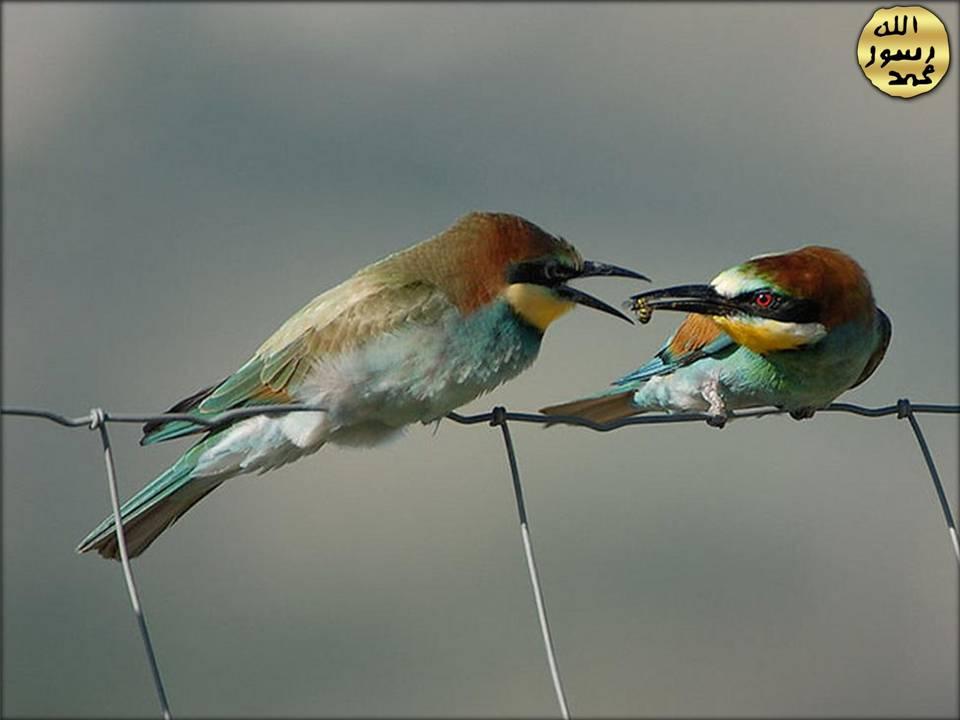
x=791 y=330
x=408 y=338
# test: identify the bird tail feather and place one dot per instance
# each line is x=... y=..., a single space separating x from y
x=156 y=507
x=600 y=409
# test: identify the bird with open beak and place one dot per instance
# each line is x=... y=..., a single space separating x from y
x=406 y=339
x=792 y=330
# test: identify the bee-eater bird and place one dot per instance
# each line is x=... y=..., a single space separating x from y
x=406 y=339
x=792 y=330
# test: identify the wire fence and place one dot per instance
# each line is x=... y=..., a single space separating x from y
x=499 y=417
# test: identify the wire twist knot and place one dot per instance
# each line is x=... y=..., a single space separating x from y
x=98 y=416
x=903 y=408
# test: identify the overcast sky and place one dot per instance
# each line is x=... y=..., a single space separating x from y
x=180 y=178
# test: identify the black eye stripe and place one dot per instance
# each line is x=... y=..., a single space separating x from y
x=539 y=272
x=525 y=273
x=781 y=307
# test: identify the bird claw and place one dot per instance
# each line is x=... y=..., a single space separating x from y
x=803 y=413
x=717 y=411
x=717 y=421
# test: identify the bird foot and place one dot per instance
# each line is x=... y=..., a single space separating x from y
x=717 y=412
x=803 y=413
x=717 y=420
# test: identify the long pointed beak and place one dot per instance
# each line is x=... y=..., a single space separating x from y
x=581 y=298
x=592 y=268
x=702 y=299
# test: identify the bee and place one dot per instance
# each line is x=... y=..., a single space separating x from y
x=640 y=308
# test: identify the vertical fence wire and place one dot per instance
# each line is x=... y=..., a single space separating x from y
x=499 y=417
x=906 y=410
x=98 y=422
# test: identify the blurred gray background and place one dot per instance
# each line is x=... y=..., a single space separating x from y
x=179 y=179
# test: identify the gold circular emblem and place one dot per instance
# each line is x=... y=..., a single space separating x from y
x=904 y=51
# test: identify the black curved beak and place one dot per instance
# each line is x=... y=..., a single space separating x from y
x=592 y=268
x=701 y=299
x=581 y=298
x=597 y=269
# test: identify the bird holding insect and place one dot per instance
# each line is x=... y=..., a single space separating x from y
x=793 y=330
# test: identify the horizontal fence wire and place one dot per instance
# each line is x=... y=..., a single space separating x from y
x=98 y=419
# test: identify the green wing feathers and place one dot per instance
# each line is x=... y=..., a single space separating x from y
x=340 y=320
x=261 y=381
x=885 y=333
x=367 y=306
x=159 y=430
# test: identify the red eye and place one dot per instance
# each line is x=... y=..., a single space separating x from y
x=763 y=299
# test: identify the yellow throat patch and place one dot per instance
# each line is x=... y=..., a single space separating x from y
x=535 y=304
x=765 y=335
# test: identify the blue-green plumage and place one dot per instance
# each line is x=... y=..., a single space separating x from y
x=418 y=374
x=792 y=331
x=406 y=339
x=807 y=377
